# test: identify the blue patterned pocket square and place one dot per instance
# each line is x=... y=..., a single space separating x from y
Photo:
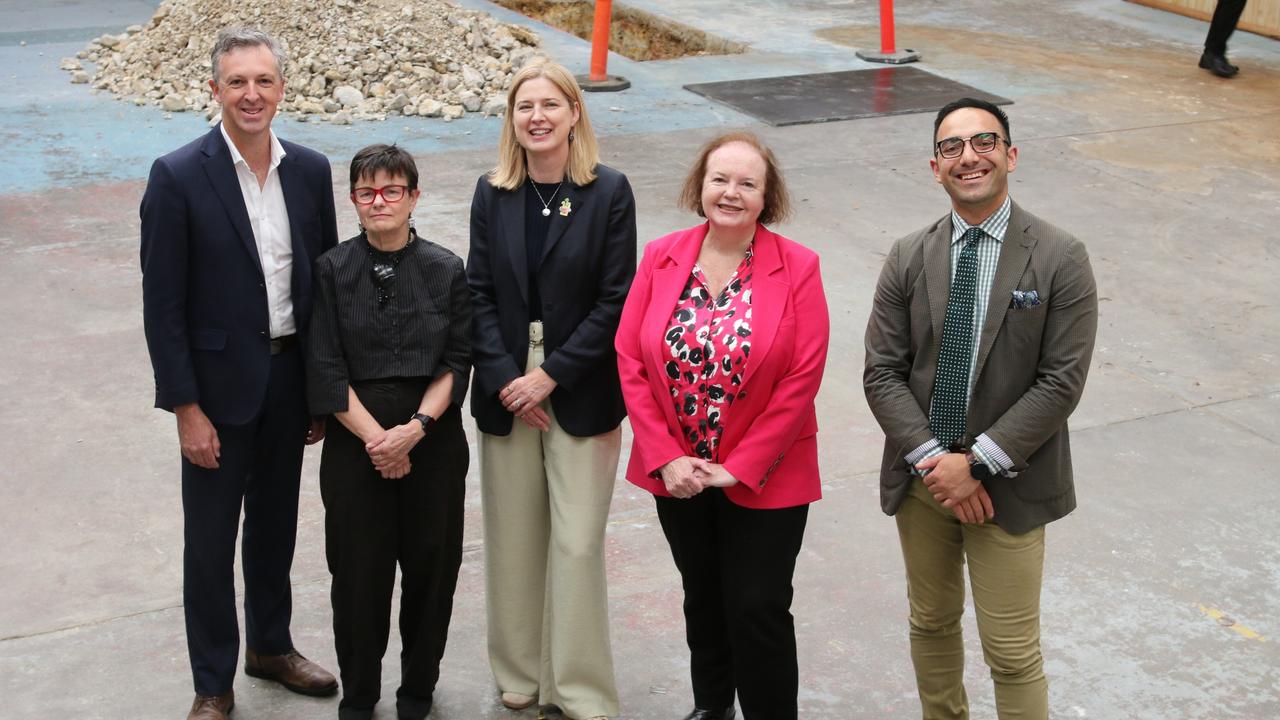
x=1023 y=299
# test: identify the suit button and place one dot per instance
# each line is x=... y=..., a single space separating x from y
x=263 y=333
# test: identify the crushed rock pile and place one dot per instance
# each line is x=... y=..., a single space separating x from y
x=347 y=59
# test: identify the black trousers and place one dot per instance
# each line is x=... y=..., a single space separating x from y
x=1225 y=17
x=371 y=525
x=736 y=566
x=259 y=470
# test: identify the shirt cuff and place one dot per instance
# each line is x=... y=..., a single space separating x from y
x=931 y=448
x=990 y=454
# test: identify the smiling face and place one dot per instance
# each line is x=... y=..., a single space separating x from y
x=382 y=218
x=249 y=87
x=542 y=117
x=733 y=186
x=976 y=182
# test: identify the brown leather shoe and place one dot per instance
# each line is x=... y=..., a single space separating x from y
x=292 y=671
x=212 y=707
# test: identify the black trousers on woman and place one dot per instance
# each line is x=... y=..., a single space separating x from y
x=736 y=566
x=371 y=524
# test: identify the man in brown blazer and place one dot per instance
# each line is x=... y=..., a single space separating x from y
x=977 y=350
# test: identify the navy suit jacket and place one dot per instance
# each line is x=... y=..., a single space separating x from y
x=204 y=297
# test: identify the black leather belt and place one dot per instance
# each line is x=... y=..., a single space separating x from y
x=280 y=344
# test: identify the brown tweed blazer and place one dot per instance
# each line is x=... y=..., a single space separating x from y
x=1031 y=367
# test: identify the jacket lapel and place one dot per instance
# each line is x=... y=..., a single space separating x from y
x=937 y=273
x=559 y=222
x=511 y=214
x=669 y=279
x=1015 y=253
x=291 y=185
x=769 y=288
x=222 y=176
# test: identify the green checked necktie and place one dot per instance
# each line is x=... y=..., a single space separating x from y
x=951 y=382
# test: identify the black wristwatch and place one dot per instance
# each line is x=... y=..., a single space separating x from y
x=978 y=469
x=426 y=421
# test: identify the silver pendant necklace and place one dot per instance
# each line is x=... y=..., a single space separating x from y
x=546 y=204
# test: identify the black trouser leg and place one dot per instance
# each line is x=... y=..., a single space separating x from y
x=360 y=546
x=759 y=550
x=271 y=508
x=736 y=566
x=211 y=502
x=1225 y=17
x=690 y=527
x=431 y=512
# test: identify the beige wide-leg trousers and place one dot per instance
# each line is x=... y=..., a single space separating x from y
x=546 y=501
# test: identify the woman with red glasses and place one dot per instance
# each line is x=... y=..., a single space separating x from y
x=389 y=358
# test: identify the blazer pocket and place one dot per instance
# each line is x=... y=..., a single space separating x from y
x=1025 y=314
x=208 y=339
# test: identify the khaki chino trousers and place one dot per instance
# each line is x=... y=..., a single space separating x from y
x=1005 y=571
x=546 y=502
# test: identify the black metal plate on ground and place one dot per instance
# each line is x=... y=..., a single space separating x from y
x=825 y=97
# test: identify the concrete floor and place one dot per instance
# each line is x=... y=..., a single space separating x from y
x=1161 y=591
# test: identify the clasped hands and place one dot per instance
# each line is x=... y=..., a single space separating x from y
x=523 y=397
x=952 y=485
x=687 y=476
x=389 y=450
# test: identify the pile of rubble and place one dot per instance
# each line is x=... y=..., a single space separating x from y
x=348 y=59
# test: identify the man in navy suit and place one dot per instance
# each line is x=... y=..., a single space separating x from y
x=231 y=224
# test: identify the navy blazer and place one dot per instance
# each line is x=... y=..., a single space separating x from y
x=204 y=296
x=587 y=265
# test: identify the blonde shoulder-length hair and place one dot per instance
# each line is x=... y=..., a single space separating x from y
x=584 y=154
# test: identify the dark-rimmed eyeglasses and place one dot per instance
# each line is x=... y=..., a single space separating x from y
x=384 y=274
x=389 y=193
x=953 y=147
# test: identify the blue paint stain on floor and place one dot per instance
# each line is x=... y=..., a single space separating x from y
x=57 y=134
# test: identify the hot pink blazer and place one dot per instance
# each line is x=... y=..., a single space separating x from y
x=770 y=435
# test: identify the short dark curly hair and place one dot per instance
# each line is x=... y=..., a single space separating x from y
x=391 y=159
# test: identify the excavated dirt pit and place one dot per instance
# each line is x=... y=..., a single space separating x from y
x=633 y=33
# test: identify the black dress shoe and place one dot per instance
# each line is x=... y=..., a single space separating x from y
x=1218 y=65
x=700 y=714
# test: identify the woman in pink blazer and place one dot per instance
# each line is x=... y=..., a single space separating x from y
x=721 y=348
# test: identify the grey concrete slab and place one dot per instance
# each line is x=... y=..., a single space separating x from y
x=1160 y=591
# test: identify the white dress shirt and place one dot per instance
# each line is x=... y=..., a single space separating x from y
x=270 y=221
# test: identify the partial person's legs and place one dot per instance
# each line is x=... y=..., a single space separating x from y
x=758 y=550
x=933 y=552
x=211 y=501
x=690 y=526
x=577 y=658
x=517 y=529
x=361 y=530
x=1225 y=17
x=430 y=511
x=271 y=508
x=1005 y=572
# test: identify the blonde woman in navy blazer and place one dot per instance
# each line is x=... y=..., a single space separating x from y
x=553 y=245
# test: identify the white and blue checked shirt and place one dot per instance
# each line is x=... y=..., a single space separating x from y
x=993 y=228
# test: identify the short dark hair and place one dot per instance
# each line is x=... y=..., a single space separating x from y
x=391 y=159
x=968 y=102
x=777 y=201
